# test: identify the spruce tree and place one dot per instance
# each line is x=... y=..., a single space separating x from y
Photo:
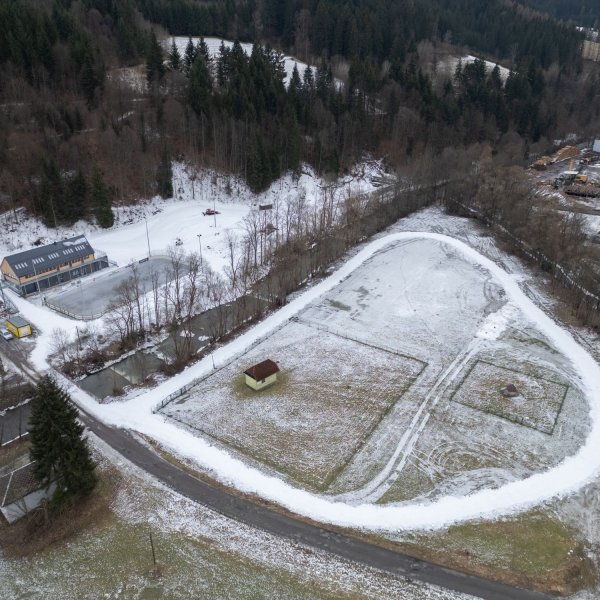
x=203 y=51
x=164 y=175
x=189 y=57
x=101 y=201
x=78 y=190
x=155 y=68
x=199 y=87
x=89 y=81
x=61 y=453
x=174 y=57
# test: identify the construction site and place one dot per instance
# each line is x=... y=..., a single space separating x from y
x=572 y=177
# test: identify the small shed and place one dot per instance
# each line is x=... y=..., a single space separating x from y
x=261 y=375
x=18 y=326
x=20 y=493
x=510 y=391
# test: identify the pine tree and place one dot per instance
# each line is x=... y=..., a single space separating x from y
x=203 y=51
x=200 y=86
x=78 y=189
x=174 y=57
x=101 y=201
x=89 y=81
x=189 y=57
x=61 y=453
x=155 y=68
x=164 y=175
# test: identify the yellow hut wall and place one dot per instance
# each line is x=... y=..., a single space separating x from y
x=255 y=385
x=19 y=331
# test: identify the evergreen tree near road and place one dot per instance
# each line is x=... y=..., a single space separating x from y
x=101 y=201
x=61 y=453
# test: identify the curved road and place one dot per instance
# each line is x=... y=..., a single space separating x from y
x=240 y=509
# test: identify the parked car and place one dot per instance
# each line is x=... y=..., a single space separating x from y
x=6 y=334
x=209 y=212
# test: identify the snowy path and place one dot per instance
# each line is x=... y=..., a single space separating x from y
x=570 y=475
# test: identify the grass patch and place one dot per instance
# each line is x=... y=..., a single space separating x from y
x=330 y=396
x=537 y=406
x=533 y=549
x=14 y=455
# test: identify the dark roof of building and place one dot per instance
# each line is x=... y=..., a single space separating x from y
x=17 y=321
x=262 y=370
x=17 y=485
x=52 y=255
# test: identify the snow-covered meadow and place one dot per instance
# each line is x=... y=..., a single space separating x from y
x=390 y=387
x=215 y=43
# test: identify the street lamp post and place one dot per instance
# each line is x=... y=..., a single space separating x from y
x=200 y=245
x=147 y=236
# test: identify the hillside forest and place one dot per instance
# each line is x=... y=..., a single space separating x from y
x=76 y=137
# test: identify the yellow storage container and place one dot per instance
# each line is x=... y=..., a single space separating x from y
x=18 y=326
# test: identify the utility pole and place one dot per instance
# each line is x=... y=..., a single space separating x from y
x=200 y=245
x=147 y=236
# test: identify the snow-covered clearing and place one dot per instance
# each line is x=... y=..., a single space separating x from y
x=449 y=65
x=181 y=217
x=420 y=317
x=331 y=394
x=567 y=475
x=215 y=43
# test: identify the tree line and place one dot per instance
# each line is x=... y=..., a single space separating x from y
x=66 y=120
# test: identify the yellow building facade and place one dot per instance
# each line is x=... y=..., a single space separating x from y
x=262 y=375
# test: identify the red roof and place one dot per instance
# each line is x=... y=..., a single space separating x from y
x=262 y=370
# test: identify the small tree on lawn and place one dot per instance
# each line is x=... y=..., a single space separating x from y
x=61 y=453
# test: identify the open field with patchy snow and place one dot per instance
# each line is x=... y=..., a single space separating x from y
x=506 y=328
x=202 y=555
x=330 y=396
x=390 y=386
x=214 y=44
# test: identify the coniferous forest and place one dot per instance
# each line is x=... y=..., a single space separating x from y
x=74 y=137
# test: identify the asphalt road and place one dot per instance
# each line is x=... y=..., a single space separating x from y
x=346 y=547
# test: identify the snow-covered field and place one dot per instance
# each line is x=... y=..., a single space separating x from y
x=215 y=43
x=331 y=394
x=447 y=303
x=566 y=464
x=350 y=402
